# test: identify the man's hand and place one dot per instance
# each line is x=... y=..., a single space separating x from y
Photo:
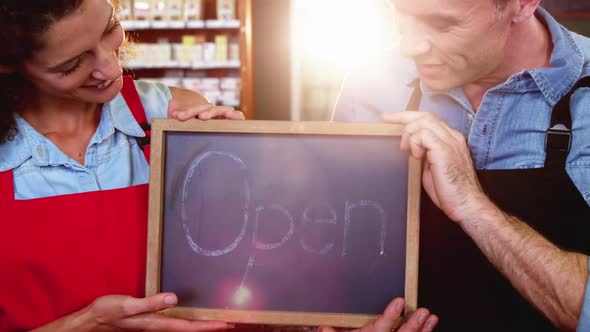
x=124 y=313
x=420 y=321
x=202 y=112
x=449 y=177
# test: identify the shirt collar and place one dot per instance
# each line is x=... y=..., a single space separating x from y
x=567 y=62
x=118 y=115
x=28 y=143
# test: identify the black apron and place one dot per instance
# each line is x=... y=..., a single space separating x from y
x=457 y=282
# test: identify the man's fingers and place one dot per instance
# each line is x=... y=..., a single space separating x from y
x=404 y=117
x=422 y=141
x=427 y=182
x=416 y=322
x=430 y=324
x=390 y=317
x=434 y=124
x=416 y=147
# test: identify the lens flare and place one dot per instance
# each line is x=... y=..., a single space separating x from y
x=242 y=296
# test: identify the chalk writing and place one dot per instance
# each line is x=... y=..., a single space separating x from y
x=305 y=219
x=189 y=174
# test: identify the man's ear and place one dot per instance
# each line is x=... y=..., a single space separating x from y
x=526 y=9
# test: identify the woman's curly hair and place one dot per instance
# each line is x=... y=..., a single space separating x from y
x=22 y=25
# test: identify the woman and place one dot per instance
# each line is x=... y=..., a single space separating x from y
x=73 y=176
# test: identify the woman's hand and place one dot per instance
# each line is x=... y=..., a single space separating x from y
x=420 y=321
x=202 y=112
x=187 y=104
x=126 y=313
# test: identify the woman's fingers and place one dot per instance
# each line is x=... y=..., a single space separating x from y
x=154 y=322
x=224 y=112
x=202 y=112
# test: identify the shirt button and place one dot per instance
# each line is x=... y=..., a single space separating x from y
x=39 y=150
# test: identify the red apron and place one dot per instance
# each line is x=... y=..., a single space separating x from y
x=60 y=253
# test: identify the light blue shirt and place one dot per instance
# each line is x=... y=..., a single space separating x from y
x=508 y=131
x=113 y=158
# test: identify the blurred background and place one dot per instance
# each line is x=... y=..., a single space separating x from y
x=274 y=59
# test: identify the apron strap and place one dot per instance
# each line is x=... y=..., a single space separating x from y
x=6 y=187
x=132 y=99
x=558 y=139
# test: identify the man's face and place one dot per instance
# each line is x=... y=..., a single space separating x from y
x=453 y=42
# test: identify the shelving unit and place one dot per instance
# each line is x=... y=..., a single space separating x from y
x=210 y=54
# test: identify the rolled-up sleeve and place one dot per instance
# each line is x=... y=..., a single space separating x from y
x=154 y=98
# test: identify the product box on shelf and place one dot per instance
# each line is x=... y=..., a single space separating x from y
x=193 y=10
x=226 y=10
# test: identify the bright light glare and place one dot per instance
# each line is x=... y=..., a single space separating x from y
x=242 y=296
x=342 y=32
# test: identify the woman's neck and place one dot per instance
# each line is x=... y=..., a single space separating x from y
x=62 y=116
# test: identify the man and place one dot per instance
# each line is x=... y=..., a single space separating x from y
x=504 y=132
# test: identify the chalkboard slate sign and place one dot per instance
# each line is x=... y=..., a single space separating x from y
x=287 y=223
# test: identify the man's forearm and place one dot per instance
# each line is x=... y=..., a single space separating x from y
x=553 y=280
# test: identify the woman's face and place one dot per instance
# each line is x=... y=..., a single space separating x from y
x=80 y=57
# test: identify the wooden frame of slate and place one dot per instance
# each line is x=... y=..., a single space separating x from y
x=343 y=279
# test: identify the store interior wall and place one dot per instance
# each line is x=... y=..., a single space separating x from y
x=272 y=59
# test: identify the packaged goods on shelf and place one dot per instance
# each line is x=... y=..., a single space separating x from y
x=230 y=98
x=193 y=10
x=210 y=83
x=170 y=81
x=126 y=10
x=159 y=10
x=188 y=54
x=213 y=96
x=229 y=83
x=143 y=10
x=221 y=47
x=187 y=44
x=167 y=55
x=211 y=88
x=209 y=52
x=226 y=10
x=175 y=10
x=234 y=51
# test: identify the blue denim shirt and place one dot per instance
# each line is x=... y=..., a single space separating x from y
x=508 y=130
x=113 y=159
